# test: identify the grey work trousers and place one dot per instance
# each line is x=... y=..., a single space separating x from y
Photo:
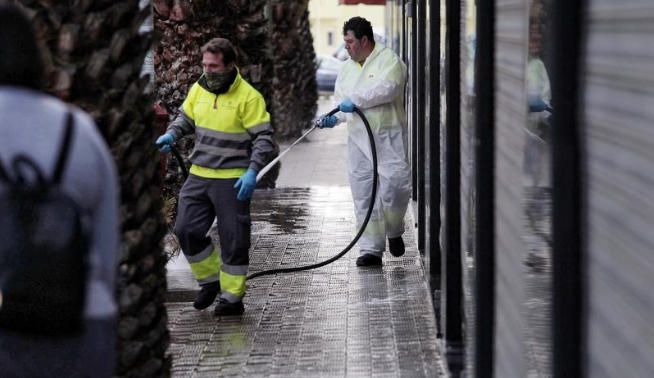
x=200 y=201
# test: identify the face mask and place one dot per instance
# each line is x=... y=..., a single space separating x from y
x=217 y=80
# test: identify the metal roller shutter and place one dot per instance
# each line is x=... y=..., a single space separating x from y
x=511 y=29
x=618 y=129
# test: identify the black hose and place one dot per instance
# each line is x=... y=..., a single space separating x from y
x=373 y=196
x=180 y=161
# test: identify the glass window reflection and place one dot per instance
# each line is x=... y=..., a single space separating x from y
x=537 y=185
x=468 y=179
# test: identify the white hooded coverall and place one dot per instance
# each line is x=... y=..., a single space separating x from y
x=377 y=88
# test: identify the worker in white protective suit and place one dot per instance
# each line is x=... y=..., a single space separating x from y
x=373 y=80
x=537 y=156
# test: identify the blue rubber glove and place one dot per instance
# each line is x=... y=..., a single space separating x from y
x=246 y=184
x=164 y=142
x=327 y=121
x=536 y=104
x=346 y=106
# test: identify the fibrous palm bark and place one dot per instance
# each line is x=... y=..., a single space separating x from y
x=184 y=26
x=295 y=92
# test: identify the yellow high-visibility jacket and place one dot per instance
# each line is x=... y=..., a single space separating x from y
x=232 y=129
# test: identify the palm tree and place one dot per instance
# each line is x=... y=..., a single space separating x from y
x=184 y=26
x=294 y=84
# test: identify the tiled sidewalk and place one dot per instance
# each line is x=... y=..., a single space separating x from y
x=338 y=320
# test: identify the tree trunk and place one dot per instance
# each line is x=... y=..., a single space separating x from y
x=184 y=26
x=294 y=84
x=94 y=54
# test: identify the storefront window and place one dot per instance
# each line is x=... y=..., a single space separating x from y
x=537 y=194
x=468 y=182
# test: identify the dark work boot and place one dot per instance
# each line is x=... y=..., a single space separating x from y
x=396 y=246
x=207 y=295
x=369 y=260
x=226 y=308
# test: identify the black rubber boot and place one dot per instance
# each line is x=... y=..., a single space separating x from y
x=396 y=246
x=369 y=260
x=226 y=308
x=207 y=295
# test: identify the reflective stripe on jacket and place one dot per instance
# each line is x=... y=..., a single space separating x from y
x=232 y=130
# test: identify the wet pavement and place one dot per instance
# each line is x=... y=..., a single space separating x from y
x=318 y=160
x=338 y=320
x=537 y=206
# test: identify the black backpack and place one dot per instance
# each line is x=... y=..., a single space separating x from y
x=44 y=244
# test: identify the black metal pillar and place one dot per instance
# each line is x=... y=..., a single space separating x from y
x=452 y=295
x=484 y=290
x=413 y=100
x=567 y=258
x=433 y=140
x=432 y=148
x=403 y=30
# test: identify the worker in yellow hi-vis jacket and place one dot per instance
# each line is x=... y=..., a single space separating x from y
x=373 y=80
x=233 y=141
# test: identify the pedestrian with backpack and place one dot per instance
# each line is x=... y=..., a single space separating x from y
x=59 y=229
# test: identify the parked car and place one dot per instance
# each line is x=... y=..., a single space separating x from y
x=327 y=71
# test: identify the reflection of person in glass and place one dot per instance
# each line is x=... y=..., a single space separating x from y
x=538 y=82
x=538 y=99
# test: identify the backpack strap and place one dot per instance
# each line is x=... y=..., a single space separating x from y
x=64 y=149
x=4 y=177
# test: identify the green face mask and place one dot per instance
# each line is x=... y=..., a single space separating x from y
x=218 y=80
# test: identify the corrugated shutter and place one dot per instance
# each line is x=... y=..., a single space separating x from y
x=512 y=23
x=618 y=127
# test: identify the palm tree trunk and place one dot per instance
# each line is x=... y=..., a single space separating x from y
x=184 y=26
x=294 y=84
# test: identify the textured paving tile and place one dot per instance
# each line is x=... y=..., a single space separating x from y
x=537 y=206
x=338 y=320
